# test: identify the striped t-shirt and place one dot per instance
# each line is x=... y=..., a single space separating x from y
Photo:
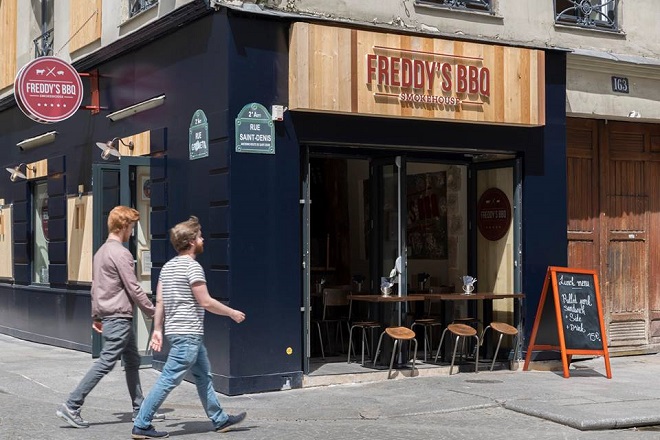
x=183 y=315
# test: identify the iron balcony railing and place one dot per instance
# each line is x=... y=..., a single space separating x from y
x=478 y=5
x=43 y=44
x=591 y=14
x=137 y=6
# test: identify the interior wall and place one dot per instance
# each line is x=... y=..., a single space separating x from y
x=358 y=175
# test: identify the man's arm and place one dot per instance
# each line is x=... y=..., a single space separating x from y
x=159 y=318
x=124 y=264
x=212 y=305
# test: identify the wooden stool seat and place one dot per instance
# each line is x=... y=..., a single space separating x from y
x=398 y=334
x=460 y=331
x=403 y=333
x=426 y=321
x=503 y=329
x=366 y=324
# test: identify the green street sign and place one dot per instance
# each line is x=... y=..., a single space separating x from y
x=198 y=136
x=255 y=132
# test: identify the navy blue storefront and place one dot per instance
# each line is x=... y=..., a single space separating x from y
x=249 y=204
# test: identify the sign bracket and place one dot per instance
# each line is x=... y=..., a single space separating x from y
x=95 y=105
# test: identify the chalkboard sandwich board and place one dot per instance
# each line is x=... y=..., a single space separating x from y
x=569 y=317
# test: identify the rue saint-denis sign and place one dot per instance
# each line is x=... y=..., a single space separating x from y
x=255 y=132
x=48 y=90
x=198 y=136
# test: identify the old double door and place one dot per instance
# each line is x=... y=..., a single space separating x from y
x=613 y=171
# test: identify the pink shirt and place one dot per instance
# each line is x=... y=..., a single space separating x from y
x=115 y=288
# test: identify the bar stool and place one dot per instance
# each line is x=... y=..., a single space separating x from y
x=364 y=325
x=503 y=329
x=427 y=324
x=460 y=331
x=398 y=334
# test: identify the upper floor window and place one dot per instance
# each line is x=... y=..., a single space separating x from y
x=474 y=5
x=137 y=6
x=592 y=14
x=40 y=260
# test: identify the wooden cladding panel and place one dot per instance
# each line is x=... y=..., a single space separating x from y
x=328 y=72
x=627 y=201
x=141 y=144
x=8 y=20
x=581 y=209
x=582 y=254
x=37 y=169
x=79 y=242
x=627 y=273
x=6 y=243
x=84 y=23
x=654 y=234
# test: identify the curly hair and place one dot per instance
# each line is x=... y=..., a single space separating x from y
x=121 y=217
x=183 y=234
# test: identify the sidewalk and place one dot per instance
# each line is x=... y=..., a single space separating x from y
x=504 y=405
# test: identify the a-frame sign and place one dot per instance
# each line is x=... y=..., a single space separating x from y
x=569 y=317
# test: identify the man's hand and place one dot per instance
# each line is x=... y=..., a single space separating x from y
x=97 y=326
x=157 y=340
x=237 y=316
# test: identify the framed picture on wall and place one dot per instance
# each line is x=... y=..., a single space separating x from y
x=144 y=183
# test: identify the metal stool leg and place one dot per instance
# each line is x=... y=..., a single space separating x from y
x=453 y=356
x=392 y=358
x=318 y=326
x=350 y=344
x=378 y=348
x=476 y=356
x=440 y=346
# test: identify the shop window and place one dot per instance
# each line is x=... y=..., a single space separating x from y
x=591 y=14
x=471 y=5
x=40 y=260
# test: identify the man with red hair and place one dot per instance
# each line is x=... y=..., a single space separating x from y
x=115 y=290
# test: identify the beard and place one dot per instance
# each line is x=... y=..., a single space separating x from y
x=199 y=248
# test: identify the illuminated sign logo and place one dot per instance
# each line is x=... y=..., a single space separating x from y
x=48 y=90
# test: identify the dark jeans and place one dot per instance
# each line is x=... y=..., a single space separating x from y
x=118 y=342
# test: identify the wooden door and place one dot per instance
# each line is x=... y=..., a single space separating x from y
x=625 y=236
x=613 y=172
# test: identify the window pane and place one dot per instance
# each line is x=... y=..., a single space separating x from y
x=40 y=233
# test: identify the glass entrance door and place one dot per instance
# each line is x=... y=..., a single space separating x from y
x=389 y=220
x=136 y=193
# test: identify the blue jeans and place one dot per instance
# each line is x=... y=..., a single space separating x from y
x=187 y=353
x=118 y=342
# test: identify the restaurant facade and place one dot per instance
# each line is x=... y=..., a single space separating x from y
x=314 y=154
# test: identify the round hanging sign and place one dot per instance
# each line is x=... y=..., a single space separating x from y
x=493 y=214
x=48 y=90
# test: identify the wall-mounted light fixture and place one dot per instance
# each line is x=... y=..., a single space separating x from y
x=37 y=141
x=111 y=148
x=137 y=108
x=16 y=172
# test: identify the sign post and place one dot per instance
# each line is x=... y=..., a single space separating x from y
x=569 y=317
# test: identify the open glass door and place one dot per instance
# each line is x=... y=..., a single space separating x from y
x=136 y=193
x=389 y=219
x=496 y=238
x=306 y=261
x=105 y=195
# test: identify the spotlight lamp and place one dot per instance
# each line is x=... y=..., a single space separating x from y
x=16 y=172
x=111 y=148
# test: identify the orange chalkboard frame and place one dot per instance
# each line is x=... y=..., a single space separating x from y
x=559 y=337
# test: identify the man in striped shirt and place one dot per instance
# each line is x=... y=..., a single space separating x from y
x=181 y=299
